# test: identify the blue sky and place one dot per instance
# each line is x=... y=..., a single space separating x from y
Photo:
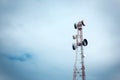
x=36 y=38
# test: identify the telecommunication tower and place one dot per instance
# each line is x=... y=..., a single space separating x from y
x=79 y=67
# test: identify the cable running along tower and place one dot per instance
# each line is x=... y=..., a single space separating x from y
x=79 y=67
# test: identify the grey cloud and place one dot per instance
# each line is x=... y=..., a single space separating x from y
x=8 y=8
x=110 y=8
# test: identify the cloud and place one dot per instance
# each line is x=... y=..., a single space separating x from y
x=21 y=58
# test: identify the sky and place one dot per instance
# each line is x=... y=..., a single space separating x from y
x=36 y=39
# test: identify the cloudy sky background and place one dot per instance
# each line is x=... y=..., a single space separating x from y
x=36 y=38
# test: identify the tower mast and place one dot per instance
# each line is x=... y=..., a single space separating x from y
x=79 y=67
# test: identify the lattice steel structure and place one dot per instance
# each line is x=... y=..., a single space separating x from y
x=79 y=67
